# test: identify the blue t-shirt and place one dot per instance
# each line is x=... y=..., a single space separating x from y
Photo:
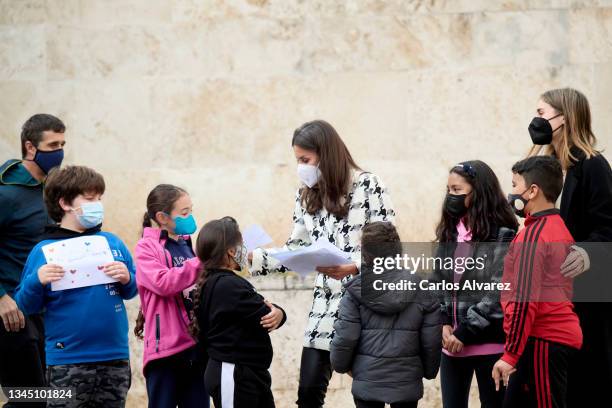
x=82 y=325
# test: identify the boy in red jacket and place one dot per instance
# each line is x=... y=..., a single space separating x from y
x=542 y=330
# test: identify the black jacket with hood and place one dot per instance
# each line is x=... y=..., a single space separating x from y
x=389 y=343
x=229 y=317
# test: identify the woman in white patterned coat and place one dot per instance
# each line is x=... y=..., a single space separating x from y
x=335 y=201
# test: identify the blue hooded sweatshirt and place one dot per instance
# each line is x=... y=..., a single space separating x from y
x=23 y=218
x=82 y=325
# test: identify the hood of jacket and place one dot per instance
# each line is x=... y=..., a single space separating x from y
x=12 y=172
x=54 y=231
x=384 y=301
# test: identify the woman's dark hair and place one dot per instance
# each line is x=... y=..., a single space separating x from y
x=335 y=164
x=489 y=208
x=161 y=198
x=379 y=239
x=214 y=240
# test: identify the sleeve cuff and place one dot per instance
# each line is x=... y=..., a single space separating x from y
x=510 y=358
x=2 y=291
x=463 y=334
x=257 y=263
x=284 y=315
x=446 y=319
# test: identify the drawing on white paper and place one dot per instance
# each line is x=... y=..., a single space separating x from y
x=83 y=259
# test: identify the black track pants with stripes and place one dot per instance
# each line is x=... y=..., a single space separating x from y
x=540 y=379
x=238 y=386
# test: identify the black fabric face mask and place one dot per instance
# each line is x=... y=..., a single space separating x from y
x=518 y=203
x=540 y=130
x=455 y=204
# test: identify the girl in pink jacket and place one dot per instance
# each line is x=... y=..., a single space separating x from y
x=166 y=271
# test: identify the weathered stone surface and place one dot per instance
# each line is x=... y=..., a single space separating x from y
x=206 y=95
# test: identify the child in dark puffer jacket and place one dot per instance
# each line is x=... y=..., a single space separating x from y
x=390 y=341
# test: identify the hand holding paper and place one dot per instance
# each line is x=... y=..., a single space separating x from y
x=118 y=271
x=83 y=260
x=50 y=273
x=306 y=260
x=338 y=271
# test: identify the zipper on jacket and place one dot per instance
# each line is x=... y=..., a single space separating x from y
x=157 y=333
x=455 y=308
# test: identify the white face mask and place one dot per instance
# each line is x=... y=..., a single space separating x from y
x=241 y=256
x=308 y=174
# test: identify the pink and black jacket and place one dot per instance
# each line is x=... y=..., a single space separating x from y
x=160 y=286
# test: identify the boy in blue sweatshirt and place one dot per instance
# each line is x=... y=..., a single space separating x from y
x=86 y=329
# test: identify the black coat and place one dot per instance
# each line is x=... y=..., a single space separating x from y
x=586 y=201
x=586 y=208
x=229 y=316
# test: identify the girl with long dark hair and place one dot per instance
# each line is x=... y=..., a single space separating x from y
x=475 y=221
x=233 y=321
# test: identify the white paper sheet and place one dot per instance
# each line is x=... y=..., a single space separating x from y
x=255 y=236
x=82 y=258
x=306 y=260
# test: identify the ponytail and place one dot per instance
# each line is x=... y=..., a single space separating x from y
x=140 y=322
x=146 y=220
x=194 y=326
x=161 y=199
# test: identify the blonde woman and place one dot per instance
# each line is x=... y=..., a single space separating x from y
x=562 y=128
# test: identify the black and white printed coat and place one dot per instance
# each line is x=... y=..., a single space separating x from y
x=369 y=202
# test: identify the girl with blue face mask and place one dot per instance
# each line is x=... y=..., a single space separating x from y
x=167 y=270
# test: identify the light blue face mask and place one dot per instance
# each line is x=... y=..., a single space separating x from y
x=93 y=214
x=184 y=225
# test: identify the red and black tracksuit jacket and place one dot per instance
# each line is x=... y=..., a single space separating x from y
x=542 y=331
x=538 y=304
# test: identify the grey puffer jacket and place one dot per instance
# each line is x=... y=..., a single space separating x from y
x=389 y=344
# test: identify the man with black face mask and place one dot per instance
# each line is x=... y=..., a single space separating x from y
x=23 y=218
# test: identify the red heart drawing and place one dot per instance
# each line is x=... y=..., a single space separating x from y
x=100 y=267
x=73 y=271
